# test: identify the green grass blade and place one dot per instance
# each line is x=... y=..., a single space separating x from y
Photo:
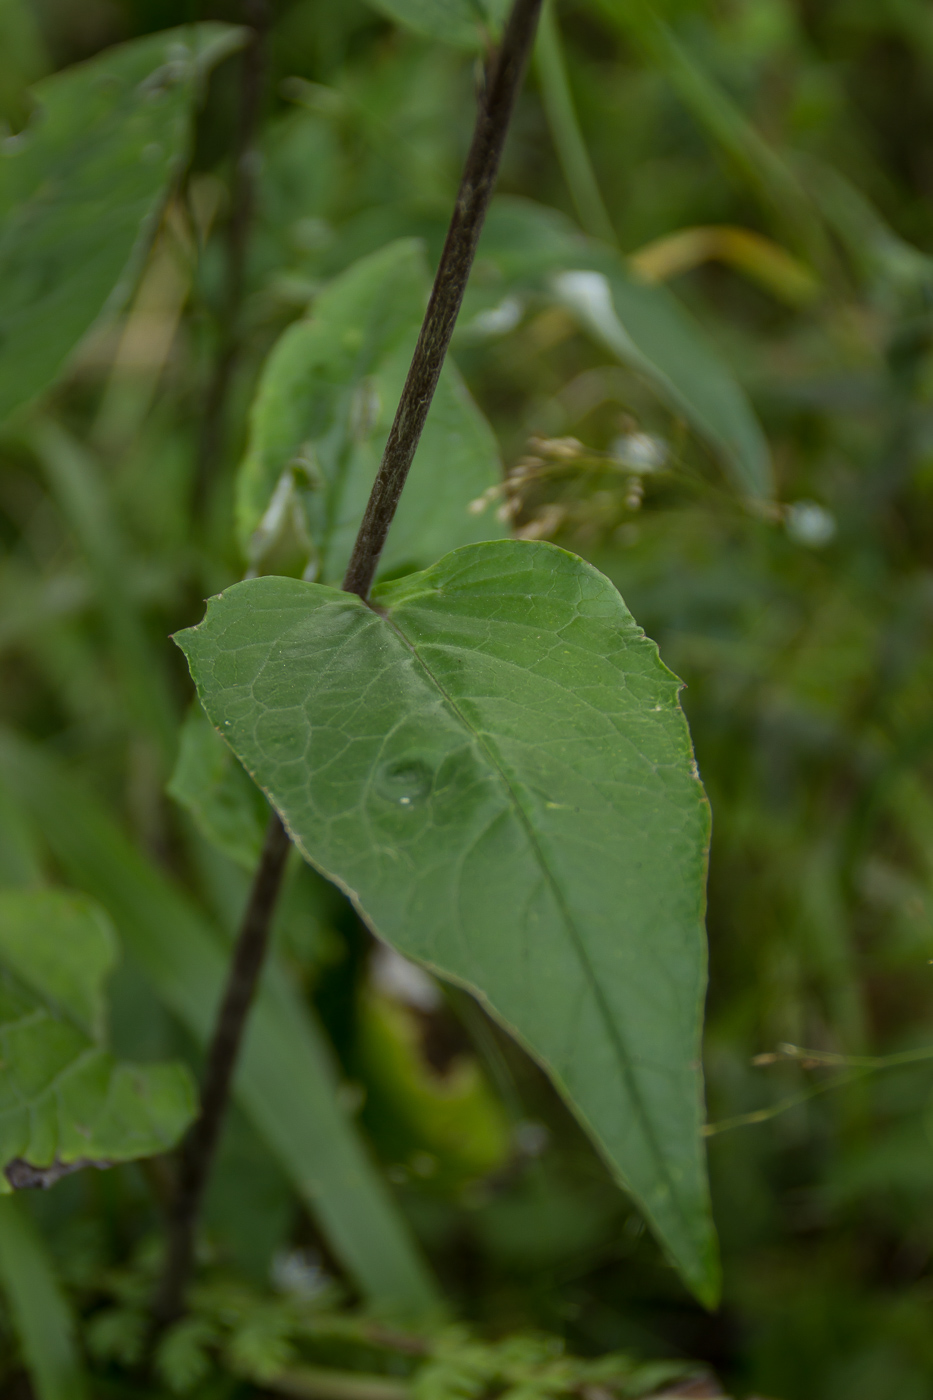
x=82 y=498
x=41 y=1316
x=565 y=129
x=760 y=165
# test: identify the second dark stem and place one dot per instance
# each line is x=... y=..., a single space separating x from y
x=200 y=1146
x=242 y=208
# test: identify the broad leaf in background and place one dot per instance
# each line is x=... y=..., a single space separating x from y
x=64 y=1101
x=320 y=420
x=467 y=24
x=643 y=326
x=286 y=1082
x=493 y=762
x=80 y=189
x=210 y=784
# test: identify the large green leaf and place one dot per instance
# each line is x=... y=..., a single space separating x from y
x=80 y=188
x=493 y=762
x=321 y=418
x=64 y=1100
x=286 y=1081
x=539 y=250
x=43 y=1321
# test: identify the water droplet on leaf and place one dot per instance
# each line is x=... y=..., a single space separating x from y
x=406 y=782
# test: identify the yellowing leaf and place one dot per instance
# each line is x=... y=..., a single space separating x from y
x=758 y=258
x=449 y=1124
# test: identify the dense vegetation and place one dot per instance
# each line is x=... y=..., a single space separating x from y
x=390 y=1144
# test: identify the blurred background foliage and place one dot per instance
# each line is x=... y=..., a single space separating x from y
x=772 y=160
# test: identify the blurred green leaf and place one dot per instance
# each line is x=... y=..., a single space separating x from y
x=447 y=1126
x=80 y=189
x=81 y=493
x=877 y=251
x=320 y=420
x=23 y=58
x=762 y=167
x=286 y=1081
x=517 y=775
x=41 y=1316
x=184 y=1355
x=209 y=782
x=65 y=1100
x=464 y=23
x=20 y=850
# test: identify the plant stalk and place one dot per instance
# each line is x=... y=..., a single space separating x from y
x=200 y=1146
x=476 y=186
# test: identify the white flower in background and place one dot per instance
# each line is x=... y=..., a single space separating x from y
x=640 y=452
x=810 y=524
x=298 y=1273
x=497 y=320
x=396 y=977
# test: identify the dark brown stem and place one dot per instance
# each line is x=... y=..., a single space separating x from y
x=476 y=186
x=200 y=1146
x=242 y=206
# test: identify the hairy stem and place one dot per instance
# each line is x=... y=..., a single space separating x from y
x=242 y=207
x=476 y=186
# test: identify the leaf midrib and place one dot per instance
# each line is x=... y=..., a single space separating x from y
x=615 y=1036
